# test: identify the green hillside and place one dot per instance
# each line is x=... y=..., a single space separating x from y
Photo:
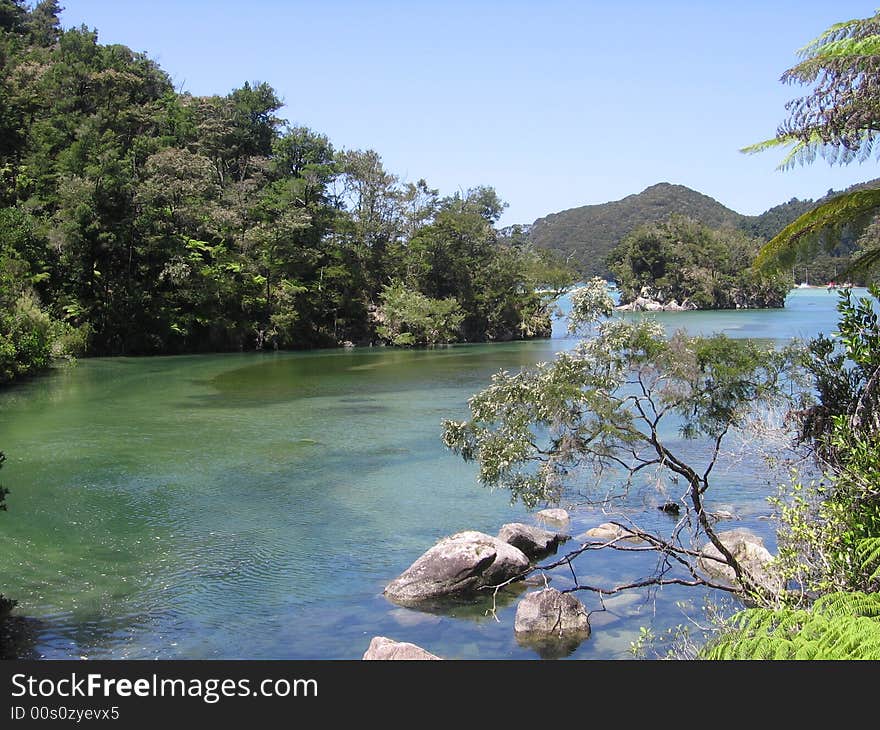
x=590 y=232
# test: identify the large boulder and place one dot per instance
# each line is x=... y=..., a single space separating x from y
x=551 y=613
x=383 y=648
x=748 y=549
x=458 y=564
x=534 y=542
x=552 y=623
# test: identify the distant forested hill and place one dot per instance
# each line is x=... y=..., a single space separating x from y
x=590 y=232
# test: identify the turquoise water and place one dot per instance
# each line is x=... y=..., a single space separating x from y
x=253 y=506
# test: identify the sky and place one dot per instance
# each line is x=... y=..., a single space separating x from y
x=554 y=104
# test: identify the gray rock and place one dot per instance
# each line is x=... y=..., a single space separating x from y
x=748 y=548
x=534 y=542
x=383 y=648
x=551 y=623
x=457 y=564
x=550 y=613
x=558 y=516
x=646 y=304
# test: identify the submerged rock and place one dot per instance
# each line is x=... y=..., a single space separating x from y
x=383 y=648
x=458 y=564
x=748 y=548
x=609 y=531
x=722 y=514
x=534 y=542
x=559 y=516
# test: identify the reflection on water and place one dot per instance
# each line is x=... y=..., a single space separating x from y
x=255 y=505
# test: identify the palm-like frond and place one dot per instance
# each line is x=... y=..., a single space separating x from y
x=854 y=208
x=839 y=119
x=868 y=552
x=848 y=29
x=839 y=626
x=801 y=152
x=850 y=48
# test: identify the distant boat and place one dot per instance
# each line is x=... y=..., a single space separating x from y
x=803 y=285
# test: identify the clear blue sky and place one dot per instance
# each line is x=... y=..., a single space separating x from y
x=555 y=104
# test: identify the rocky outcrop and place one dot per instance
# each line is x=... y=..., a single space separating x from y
x=608 y=531
x=459 y=564
x=556 y=516
x=534 y=542
x=383 y=648
x=644 y=304
x=748 y=549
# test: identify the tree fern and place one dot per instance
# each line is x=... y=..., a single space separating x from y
x=838 y=626
x=838 y=120
x=855 y=208
x=868 y=553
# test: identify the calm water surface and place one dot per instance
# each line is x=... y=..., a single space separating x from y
x=254 y=506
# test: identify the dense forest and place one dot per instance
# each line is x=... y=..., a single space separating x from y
x=138 y=220
x=587 y=235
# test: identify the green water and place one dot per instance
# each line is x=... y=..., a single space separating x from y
x=255 y=505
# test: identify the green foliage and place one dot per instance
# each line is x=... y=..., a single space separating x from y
x=829 y=532
x=686 y=262
x=587 y=235
x=26 y=339
x=837 y=120
x=838 y=625
x=410 y=318
x=602 y=403
x=821 y=225
x=846 y=373
x=160 y=222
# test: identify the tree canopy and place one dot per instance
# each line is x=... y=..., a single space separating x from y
x=610 y=412
x=138 y=220
x=681 y=260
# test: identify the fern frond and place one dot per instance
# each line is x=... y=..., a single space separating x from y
x=868 y=550
x=842 y=603
x=853 y=208
x=778 y=141
x=861 y=263
x=839 y=626
x=849 y=48
x=846 y=29
x=803 y=152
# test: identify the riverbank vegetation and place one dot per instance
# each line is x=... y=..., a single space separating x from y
x=140 y=220
x=618 y=413
x=596 y=415
x=136 y=219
